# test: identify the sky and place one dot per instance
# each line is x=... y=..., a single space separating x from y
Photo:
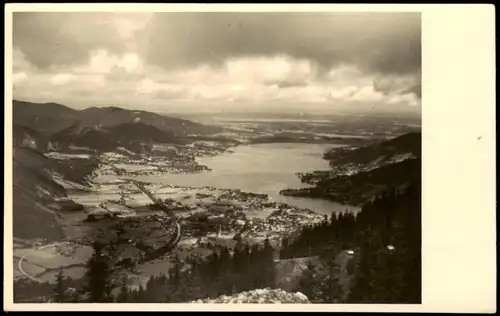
x=190 y=61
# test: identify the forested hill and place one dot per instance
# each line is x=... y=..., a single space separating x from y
x=359 y=174
x=407 y=144
x=385 y=244
x=361 y=187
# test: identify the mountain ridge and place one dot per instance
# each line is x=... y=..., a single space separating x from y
x=51 y=118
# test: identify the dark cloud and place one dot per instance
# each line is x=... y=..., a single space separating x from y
x=377 y=42
x=290 y=84
x=401 y=85
x=385 y=46
x=53 y=39
x=417 y=90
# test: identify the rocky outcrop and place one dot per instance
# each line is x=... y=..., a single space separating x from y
x=260 y=296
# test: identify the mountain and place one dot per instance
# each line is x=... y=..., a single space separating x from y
x=35 y=188
x=112 y=116
x=50 y=118
x=40 y=182
x=128 y=135
x=100 y=128
x=46 y=118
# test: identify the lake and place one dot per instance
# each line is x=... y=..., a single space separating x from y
x=261 y=168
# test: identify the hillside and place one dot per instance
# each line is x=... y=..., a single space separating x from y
x=25 y=136
x=383 y=247
x=377 y=153
x=128 y=135
x=357 y=175
x=46 y=118
x=112 y=116
x=361 y=187
x=34 y=189
x=40 y=128
x=50 y=118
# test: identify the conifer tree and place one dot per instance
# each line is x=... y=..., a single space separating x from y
x=98 y=274
x=269 y=270
x=197 y=288
x=141 y=298
x=59 y=289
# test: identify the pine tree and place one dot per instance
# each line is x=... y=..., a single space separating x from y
x=333 y=217
x=59 y=289
x=196 y=284
x=256 y=268
x=236 y=269
x=141 y=294
x=225 y=268
x=175 y=275
x=179 y=280
x=98 y=274
x=269 y=269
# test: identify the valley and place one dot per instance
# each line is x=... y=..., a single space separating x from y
x=225 y=183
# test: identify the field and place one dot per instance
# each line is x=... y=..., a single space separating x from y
x=42 y=263
x=72 y=272
x=223 y=211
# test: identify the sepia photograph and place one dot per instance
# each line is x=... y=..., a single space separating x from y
x=217 y=157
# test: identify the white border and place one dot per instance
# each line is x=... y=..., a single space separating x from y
x=458 y=115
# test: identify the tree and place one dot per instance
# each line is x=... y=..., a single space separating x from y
x=141 y=294
x=98 y=287
x=59 y=289
x=197 y=288
x=268 y=265
x=224 y=271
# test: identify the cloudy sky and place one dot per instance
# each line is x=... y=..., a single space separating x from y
x=218 y=60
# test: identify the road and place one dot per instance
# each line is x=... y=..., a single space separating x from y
x=20 y=263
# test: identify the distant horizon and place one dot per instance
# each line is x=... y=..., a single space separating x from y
x=290 y=110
